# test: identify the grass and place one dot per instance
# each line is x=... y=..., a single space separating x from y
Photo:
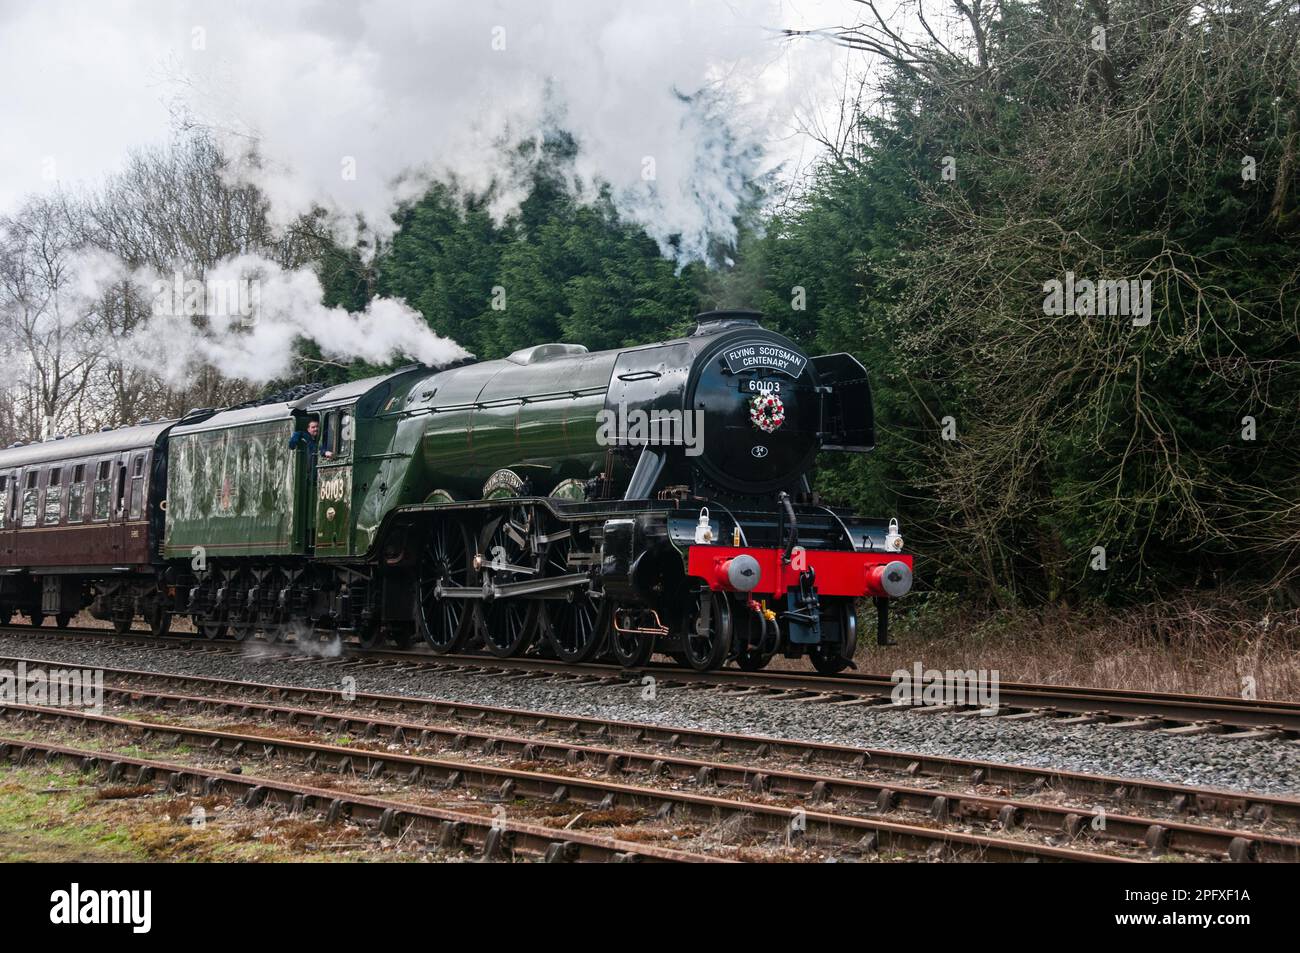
x=60 y=815
x=45 y=817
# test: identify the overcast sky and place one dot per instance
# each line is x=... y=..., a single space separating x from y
x=383 y=88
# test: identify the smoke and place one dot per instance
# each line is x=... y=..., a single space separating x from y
x=357 y=106
x=246 y=316
x=667 y=101
x=305 y=642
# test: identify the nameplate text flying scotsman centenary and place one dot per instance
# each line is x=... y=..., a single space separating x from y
x=763 y=356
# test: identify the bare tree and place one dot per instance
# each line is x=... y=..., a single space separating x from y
x=46 y=319
x=176 y=212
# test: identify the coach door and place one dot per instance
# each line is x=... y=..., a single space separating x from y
x=117 y=487
x=8 y=512
x=135 y=535
x=27 y=515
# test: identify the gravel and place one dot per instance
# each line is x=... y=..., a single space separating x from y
x=1257 y=766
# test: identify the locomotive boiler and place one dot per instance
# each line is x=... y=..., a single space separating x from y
x=615 y=504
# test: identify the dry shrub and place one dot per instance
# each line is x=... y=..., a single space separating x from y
x=1211 y=644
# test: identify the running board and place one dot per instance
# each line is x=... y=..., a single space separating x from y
x=511 y=589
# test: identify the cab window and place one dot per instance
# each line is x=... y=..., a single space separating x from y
x=336 y=434
x=345 y=435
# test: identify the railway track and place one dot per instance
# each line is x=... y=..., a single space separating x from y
x=847 y=835
x=1179 y=714
x=492 y=837
x=867 y=786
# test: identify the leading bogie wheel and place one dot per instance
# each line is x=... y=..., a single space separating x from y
x=835 y=656
x=447 y=560
x=706 y=634
x=753 y=639
x=631 y=649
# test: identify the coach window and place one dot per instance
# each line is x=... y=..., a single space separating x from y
x=53 y=496
x=119 y=508
x=31 y=497
x=103 y=495
x=137 y=487
x=77 y=494
x=4 y=500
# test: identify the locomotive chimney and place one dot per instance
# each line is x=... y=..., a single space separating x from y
x=711 y=322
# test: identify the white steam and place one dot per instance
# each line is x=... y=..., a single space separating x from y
x=357 y=105
x=247 y=315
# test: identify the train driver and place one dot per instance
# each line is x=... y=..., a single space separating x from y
x=309 y=438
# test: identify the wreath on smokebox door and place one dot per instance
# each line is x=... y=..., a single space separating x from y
x=766 y=411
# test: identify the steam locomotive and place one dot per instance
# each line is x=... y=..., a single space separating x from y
x=612 y=504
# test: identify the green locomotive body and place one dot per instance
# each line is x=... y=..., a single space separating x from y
x=620 y=502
